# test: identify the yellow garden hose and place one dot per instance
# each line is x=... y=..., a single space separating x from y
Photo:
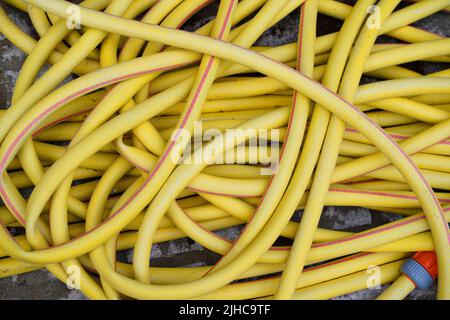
x=329 y=153
x=181 y=134
x=398 y=290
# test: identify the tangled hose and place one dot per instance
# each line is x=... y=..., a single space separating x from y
x=117 y=158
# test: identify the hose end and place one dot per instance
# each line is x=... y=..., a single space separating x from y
x=421 y=269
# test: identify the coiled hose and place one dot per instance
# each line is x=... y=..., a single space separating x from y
x=146 y=173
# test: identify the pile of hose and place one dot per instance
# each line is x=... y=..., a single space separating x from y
x=115 y=158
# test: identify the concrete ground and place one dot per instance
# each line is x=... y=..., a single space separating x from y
x=42 y=285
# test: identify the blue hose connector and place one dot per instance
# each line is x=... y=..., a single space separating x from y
x=417 y=274
x=421 y=269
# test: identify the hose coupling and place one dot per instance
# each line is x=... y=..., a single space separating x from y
x=421 y=269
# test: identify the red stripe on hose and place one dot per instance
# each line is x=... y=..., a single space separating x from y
x=399 y=136
x=362 y=235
